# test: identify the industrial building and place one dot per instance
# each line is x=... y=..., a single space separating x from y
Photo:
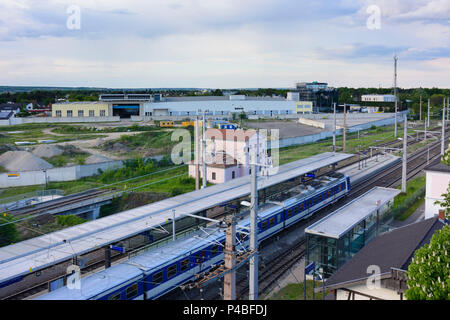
x=378 y=98
x=219 y=106
x=321 y=96
x=81 y=109
x=336 y=238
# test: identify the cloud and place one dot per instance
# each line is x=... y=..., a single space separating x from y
x=229 y=43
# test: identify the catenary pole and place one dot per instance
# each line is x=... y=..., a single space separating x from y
x=405 y=153
x=334 y=127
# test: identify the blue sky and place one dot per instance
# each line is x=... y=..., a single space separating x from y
x=224 y=43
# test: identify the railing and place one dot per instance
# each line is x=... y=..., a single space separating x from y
x=18 y=201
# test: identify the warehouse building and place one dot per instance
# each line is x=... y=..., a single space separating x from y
x=220 y=106
x=81 y=109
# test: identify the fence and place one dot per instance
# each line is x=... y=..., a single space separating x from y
x=25 y=120
x=286 y=142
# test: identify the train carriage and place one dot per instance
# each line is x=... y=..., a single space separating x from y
x=160 y=270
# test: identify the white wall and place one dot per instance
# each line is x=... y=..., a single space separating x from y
x=436 y=185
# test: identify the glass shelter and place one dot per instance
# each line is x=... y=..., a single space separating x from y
x=336 y=238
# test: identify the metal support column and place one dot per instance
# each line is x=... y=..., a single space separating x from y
x=334 y=127
x=395 y=93
x=229 y=291
x=443 y=130
x=405 y=153
x=345 y=127
x=197 y=155
x=205 y=178
x=107 y=257
x=253 y=284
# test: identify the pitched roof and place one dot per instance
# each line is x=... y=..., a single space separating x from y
x=6 y=114
x=440 y=167
x=10 y=106
x=392 y=249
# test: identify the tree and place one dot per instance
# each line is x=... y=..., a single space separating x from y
x=429 y=271
x=8 y=233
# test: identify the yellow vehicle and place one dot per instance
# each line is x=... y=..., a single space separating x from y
x=190 y=123
x=166 y=124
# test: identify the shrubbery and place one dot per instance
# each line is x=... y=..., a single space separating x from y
x=69 y=220
x=133 y=168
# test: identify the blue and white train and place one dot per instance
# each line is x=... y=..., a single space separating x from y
x=162 y=269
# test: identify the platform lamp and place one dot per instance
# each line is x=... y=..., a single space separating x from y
x=45 y=177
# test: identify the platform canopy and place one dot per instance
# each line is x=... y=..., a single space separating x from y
x=41 y=252
x=345 y=218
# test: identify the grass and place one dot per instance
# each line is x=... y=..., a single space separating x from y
x=69 y=155
x=370 y=137
x=412 y=197
x=295 y=291
x=406 y=214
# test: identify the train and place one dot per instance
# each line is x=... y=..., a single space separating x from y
x=166 y=124
x=160 y=270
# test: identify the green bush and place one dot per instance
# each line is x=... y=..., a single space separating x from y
x=69 y=220
x=175 y=191
x=8 y=233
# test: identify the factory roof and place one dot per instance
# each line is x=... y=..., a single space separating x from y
x=343 y=219
x=40 y=252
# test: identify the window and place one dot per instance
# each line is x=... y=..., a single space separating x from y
x=214 y=176
x=324 y=196
x=58 y=113
x=340 y=187
x=295 y=210
x=171 y=271
x=80 y=113
x=264 y=225
x=271 y=221
x=69 y=113
x=115 y=296
x=91 y=113
x=289 y=213
x=132 y=291
x=157 y=278
x=330 y=192
x=184 y=265
x=232 y=175
x=102 y=113
x=214 y=250
x=302 y=206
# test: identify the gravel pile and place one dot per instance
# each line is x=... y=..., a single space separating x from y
x=22 y=161
x=47 y=151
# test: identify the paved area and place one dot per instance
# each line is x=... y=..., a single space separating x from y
x=287 y=129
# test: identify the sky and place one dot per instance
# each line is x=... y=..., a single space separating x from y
x=224 y=43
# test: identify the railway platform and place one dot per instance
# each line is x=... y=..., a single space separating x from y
x=369 y=167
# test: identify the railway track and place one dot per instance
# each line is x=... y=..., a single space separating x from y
x=42 y=208
x=280 y=264
x=388 y=178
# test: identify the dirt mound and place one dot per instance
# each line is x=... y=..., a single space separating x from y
x=47 y=151
x=22 y=161
x=96 y=159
